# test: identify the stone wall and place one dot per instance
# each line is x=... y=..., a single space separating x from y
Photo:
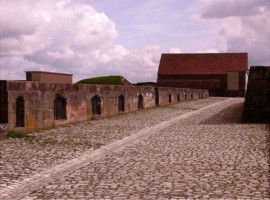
x=167 y=95
x=3 y=102
x=39 y=101
x=257 y=100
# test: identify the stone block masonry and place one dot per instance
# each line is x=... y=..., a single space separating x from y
x=28 y=105
x=257 y=100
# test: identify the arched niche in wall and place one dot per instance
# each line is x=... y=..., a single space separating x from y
x=140 y=101
x=96 y=105
x=121 y=103
x=60 y=110
x=20 y=112
x=170 y=98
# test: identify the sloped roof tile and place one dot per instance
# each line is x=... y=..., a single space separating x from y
x=203 y=63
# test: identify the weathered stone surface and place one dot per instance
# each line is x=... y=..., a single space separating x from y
x=208 y=155
x=24 y=157
x=257 y=100
x=4 y=128
x=39 y=101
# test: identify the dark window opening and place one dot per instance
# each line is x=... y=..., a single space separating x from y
x=121 y=103
x=178 y=97
x=170 y=98
x=191 y=96
x=185 y=97
x=157 y=97
x=60 y=108
x=96 y=105
x=140 y=102
x=20 y=112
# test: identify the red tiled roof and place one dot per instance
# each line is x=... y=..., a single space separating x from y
x=203 y=63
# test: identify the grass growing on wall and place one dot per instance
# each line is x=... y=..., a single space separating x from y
x=14 y=134
x=104 y=80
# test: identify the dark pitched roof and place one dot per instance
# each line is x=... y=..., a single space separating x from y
x=203 y=63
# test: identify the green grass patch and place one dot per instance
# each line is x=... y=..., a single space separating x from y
x=14 y=134
x=104 y=80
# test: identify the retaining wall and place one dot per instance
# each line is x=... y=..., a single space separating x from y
x=39 y=101
x=257 y=100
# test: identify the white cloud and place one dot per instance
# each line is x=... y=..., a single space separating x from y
x=244 y=26
x=233 y=8
x=175 y=50
x=209 y=51
x=69 y=37
x=137 y=66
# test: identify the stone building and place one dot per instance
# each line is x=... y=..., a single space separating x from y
x=48 y=77
x=224 y=74
x=257 y=101
x=32 y=105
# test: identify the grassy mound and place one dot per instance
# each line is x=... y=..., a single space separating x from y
x=104 y=80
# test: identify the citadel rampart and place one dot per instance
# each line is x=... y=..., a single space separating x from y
x=257 y=100
x=28 y=105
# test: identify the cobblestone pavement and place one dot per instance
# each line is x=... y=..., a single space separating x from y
x=20 y=158
x=209 y=155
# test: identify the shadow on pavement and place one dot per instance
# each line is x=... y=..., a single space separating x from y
x=229 y=115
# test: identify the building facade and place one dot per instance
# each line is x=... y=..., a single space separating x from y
x=223 y=74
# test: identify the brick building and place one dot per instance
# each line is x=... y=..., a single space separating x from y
x=224 y=74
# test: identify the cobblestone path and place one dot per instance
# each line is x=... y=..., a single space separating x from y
x=208 y=155
x=20 y=158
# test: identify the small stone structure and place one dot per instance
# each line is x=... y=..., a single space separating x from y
x=257 y=100
x=30 y=105
x=48 y=77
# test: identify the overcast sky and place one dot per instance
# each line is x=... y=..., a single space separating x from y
x=91 y=38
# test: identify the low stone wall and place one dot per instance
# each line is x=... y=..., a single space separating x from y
x=168 y=95
x=257 y=100
x=38 y=99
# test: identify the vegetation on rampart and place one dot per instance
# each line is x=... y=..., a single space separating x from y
x=104 y=80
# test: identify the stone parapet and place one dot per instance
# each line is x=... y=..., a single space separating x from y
x=40 y=109
x=257 y=100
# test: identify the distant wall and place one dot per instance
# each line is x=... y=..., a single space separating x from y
x=217 y=84
x=257 y=100
x=39 y=101
x=167 y=95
